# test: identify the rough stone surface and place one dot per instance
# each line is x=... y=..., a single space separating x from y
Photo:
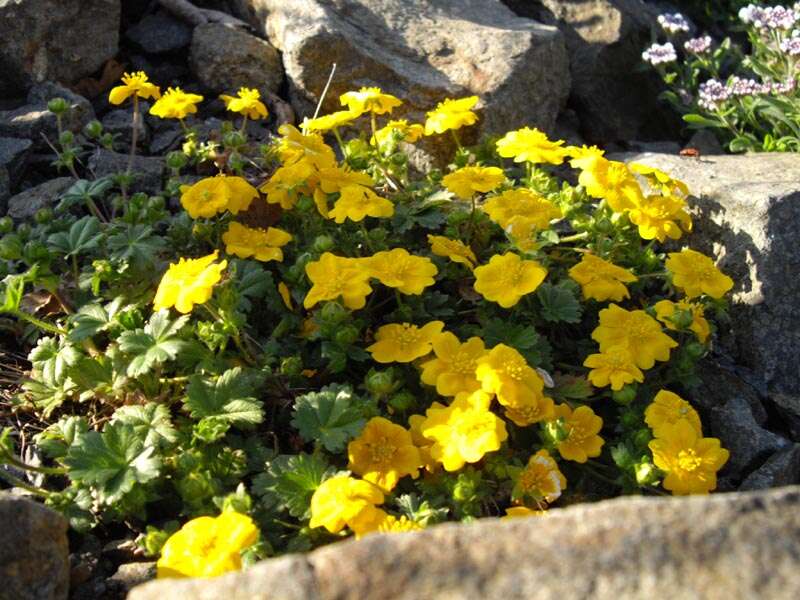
x=748 y=442
x=421 y=51
x=25 y=204
x=628 y=548
x=34 y=554
x=615 y=97
x=782 y=468
x=747 y=214
x=130 y=575
x=13 y=153
x=33 y=120
x=5 y=190
x=55 y=39
x=120 y=122
x=225 y=59
x=159 y=33
x=148 y=171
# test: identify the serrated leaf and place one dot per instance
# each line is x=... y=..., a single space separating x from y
x=252 y=281
x=290 y=481
x=571 y=387
x=228 y=399
x=11 y=293
x=156 y=343
x=59 y=436
x=135 y=243
x=83 y=190
x=92 y=319
x=328 y=417
x=151 y=422
x=112 y=462
x=52 y=360
x=559 y=304
x=83 y=235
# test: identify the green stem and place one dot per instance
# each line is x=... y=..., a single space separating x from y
x=366 y=236
x=17 y=482
x=134 y=134
x=339 y=140
x=76 y=271
x=455 y=139
x=12 y=460
x=574 y=238
x=44 y=325
x=236 y=337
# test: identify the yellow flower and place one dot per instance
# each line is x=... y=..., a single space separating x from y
x=402 y=129
x=583 y=151
x=530 y=410
x=369 y=99
x=398 y=269
x=392 y=524
x=287 y=184
x=601 y=280
x=661 y=217
x=207 y=546
x=464 y=431
x=690 y=461
x=468 y=181
x=188 y=282
x=294 y=147
x=286 y=296
x=453 y=369
x=455 y=250
x=334 y=276
x=505 y=373
x=659 y=180
x=404 y=342
x=247 y=103
x=451 y=114
x=507 y=278
x=609 y=180
x=666 y=410
x=696 y=274
x=136 y=85
x=665 y=312
x=531 y=145
x=422 y=443
x=614 y=367
x=214 y=195
x=328 y=122
x=262 y=245
x=515 y=512
x=581 y=427
x=175 y=104
x=356 y=202
x=343 y=501
x=514 y=206
x=636 y=331
x=334 y=180
x=383 y=453
x=540 y=481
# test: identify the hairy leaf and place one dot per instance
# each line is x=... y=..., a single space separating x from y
x=329 y=417
x=290 y=481
x=228 y=399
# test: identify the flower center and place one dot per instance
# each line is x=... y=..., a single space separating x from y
x=688 y=460
x=382 y=451
x=409 y=335
x=513 y=276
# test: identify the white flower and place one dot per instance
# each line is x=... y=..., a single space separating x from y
x=698 y=45
x=673 y=23
x=713 y=93
x=659 y=54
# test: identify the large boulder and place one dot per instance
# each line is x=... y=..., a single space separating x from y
x=45 y=195
x=421 y=51
x=55 y=40
x=747 y=215
x=34 y=553
x=743 y=545
x=616 y=98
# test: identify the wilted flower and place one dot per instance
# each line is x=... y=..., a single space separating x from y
x=540 y=480
x=455 y=250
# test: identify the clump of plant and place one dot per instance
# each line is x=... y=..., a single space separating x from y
x=317 y=344
x=750 y=98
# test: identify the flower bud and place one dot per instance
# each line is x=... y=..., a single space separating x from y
x=6 y=225
x=683 y=319
x=58 y=106
x=695 y=350
x=626 y=395
x=291 y=366
x=176 y=160
x=93 y=129
x=155 y=203
x=346 y=335
x=67 y=138
x=334 y=312
x=234 y=139
x=323 y=243
x=380 y=383
x=403 y=401
x=35 y=252
x=10 y=247
x=646 y=473
x=642 y=437
x=554 y=432
x=306 y=204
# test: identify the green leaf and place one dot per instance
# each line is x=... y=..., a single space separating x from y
x=11 y=293
x=290 y=481
x=156 y=343
x=83 y=190
x=52 y=360
x=136 y=243
x=559 y=304
x=517 y=336
x=83 y=235
x=228 y=399
x=328 y=417
x=92 y=319
x=59 y=436
x=696 y=121
x=112 y=462
x=151 y=422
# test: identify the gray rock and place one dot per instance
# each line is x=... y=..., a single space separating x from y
x=615 y=96
x=159 y=33
x=14 y=154
x=747 y=214
x=33 y=120
x=5 y=190
x=726 y=546
x=421 y=51
x=706 y=143
x=120 y=122
x=148 y=171
x=34 y=554
x=782 y=468
x=55 y=40
x=25 y=204
x=225 y=59
x=748 y=442
x=165 y=140
x=130 y=575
